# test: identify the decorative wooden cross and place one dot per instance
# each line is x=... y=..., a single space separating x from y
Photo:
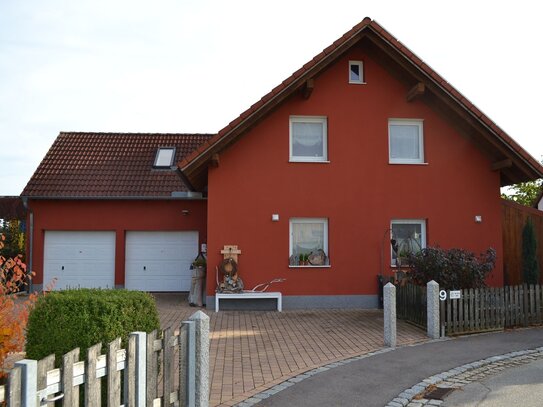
x=231 y=252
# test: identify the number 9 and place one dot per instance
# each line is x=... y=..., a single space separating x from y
x=442 y=295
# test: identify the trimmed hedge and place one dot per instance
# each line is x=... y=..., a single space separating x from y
x=64 y=320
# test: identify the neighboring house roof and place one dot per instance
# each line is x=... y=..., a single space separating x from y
x=11 y=207
x=513 y=162
x=110 y=165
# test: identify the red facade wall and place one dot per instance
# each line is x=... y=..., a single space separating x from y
x=358 y=191
x=119 y=216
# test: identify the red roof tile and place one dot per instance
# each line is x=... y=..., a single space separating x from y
x=101 y=165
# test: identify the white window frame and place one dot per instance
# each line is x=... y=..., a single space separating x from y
x=324 y=221
x=158 y=154
x=410 y=122
x=360 y=65
x=310 y=119
x=421 y=222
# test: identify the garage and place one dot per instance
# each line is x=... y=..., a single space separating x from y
x=79 y=259
x=160 y=261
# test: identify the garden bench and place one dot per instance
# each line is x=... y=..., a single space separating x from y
x=249 y=295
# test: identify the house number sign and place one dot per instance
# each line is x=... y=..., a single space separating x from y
x=453 y=295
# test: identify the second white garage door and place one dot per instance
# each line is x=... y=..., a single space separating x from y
x=160 y=261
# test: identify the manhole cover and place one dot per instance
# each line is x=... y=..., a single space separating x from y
x=439 y=393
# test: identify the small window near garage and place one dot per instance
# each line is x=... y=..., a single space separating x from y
x=405 y=140
x=308 y=139
x=407 y=236
x=308 y=242
x=164 y=157
x=356 y=72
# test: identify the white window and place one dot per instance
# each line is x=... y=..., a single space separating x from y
x=356 y=72
x=164 y=157
x=308 y=139
x=407 y=236
x=405 y=140
x=307 y=235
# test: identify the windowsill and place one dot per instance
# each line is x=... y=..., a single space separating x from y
x=324 y=266
x=407 y=163
x=308 y=161
x=357 y=83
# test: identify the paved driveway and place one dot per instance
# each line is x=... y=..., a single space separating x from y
x=252 y=351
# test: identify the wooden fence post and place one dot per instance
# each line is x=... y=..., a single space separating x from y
x=432 y=309
x=71 y=392
x=29 y=382
x=92 y=383
x=13 y=390
x=201 y=321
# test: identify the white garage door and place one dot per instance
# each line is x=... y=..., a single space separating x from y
x=79 y=259
x=160 y=261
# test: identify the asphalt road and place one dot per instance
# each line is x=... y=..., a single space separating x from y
x=376 y=380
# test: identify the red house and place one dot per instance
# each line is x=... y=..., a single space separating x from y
x=362 y=143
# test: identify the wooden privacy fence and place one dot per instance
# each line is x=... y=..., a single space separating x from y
x=488 y=309
x=157 y=370
x=411 y=304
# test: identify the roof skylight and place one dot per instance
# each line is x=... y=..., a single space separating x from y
x=164 y=157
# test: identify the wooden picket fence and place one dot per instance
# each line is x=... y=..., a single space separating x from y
x=158 y=369
x=490 y=309
x=411 y=304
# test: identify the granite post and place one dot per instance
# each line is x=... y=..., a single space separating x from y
x=389 y=305
x=202 y=358
x=432 y=309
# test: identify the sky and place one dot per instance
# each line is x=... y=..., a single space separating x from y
x=185 y=66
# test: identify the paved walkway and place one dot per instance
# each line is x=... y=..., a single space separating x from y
x=255 y=350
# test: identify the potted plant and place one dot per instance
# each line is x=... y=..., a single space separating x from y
x=200 y=262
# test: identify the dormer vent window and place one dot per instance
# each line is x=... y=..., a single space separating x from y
x=356 y=72
x=164 y=157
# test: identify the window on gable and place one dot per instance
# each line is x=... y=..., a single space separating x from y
x=407 y=236
x=308 y=236
x=308 y=138
x=405 y=140
x=164 y=157
x=356 y=72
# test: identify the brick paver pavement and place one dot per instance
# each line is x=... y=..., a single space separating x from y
x=252 y=351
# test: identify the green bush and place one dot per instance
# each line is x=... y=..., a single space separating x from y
x=451 y=269
x=530 y=267
x=64 y=320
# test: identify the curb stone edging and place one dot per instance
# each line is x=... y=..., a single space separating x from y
x=460 y=376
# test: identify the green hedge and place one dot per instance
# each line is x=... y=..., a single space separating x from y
x=64 y=320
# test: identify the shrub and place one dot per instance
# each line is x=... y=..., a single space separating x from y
x=530 y=268
x=13 y=311
x=453 y=268
x=64 y=320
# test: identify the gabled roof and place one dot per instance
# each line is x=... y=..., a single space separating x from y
x=513 y=162
x=110 y=165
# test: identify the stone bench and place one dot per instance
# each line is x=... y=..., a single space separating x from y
x=249 y=295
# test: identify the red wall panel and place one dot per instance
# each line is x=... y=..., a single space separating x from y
x=358 y=191
x=116 y=215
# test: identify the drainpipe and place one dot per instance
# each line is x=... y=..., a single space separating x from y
x=30 y=243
